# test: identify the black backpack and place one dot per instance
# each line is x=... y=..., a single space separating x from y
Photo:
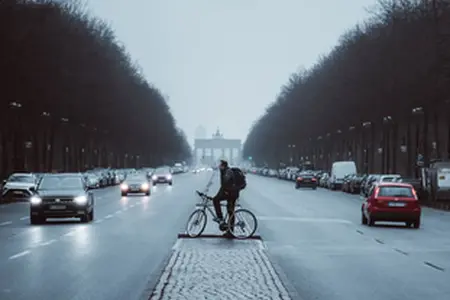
x=240 y=182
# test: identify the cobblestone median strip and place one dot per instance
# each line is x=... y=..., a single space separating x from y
x=219 y=270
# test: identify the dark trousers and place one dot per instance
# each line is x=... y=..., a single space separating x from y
x=231 y=203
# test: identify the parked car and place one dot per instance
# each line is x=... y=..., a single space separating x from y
x=393 y=202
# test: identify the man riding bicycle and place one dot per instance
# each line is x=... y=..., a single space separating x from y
x=227 y=192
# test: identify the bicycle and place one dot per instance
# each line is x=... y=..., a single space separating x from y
x=199 y=217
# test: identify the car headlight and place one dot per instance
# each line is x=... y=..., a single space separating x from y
x=154 y=177
x=81 y=200
x=35 y=200
x=145 y=186
x=124 y=186
x=169 y=177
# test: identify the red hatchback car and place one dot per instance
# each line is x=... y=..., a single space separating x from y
x=392 y=202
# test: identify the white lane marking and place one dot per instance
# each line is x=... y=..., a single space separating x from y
x=47 y=243
x=118 y=212
x=98 y=221
x=311 y=220
x=125 y=208
x=24 y=218
x=20 y=254
x=108 y=217
x=132 y=205
x=5 y=223
x=70 y=233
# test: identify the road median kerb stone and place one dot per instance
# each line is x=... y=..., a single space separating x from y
x=219 y=269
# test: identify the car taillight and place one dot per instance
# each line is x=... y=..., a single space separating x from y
x=415 y=194
x=314 y=179
x=299 y=178
x=377 y=191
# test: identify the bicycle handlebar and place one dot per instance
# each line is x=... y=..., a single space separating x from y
x=203 y=195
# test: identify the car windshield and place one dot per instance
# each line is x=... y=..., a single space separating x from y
x=61 y=183
x=136 y=179
x=162 y=171
x=21 y=178
x=395 y=191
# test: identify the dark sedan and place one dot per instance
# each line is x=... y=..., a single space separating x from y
x=306 y=180
x=135 y=184
x=162 y=175
x=61 y=196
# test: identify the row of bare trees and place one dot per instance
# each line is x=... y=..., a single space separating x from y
x=361 y=101
x=71 y=97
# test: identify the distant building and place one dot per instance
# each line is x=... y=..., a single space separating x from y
x=200 y=132
x=209 y=151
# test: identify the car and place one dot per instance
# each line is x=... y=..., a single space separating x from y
x=61 y=196
x=135 y=184
x=306 y=180
x=18 y=185
x=92 y=181
x=391 y=202
x=162 y=175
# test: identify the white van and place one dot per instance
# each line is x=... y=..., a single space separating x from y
x=338 y=171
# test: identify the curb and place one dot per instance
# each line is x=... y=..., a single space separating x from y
x=153 y=279
x=212 y=236
x=438 y=205
x=292 y=291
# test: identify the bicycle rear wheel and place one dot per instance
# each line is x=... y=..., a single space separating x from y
x=245 y=224
x=198 y=220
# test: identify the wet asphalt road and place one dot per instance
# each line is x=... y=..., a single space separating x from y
x=110 y=258
x=317 y=239
x=314 y=236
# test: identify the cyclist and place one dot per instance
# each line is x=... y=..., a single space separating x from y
x=227 y=192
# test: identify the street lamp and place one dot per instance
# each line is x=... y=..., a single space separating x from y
x=417 y=110
x=387 y=119
x=15 y=104
x=291 y=147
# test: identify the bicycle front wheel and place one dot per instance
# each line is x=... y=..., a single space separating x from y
x=245 y=224
x=196 y=223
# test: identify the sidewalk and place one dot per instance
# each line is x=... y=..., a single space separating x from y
x=219 y=269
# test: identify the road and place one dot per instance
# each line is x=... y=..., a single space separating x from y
x=111 y=258
x=317 y=239
x=313 y=237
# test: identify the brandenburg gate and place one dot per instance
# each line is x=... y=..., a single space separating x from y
x=210 y=151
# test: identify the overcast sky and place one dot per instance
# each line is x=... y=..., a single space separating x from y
x=221 y=63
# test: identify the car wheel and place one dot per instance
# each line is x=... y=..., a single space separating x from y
x=84 y=218
x=124 y=194
x=364 y=220
x=147 y=193
x=297 y=186
x=314 y=188
x=91 y=215
x=170 y=183
x=35 y=220
x=416 y=224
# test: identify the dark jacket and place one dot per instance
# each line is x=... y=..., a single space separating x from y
x=227 y=183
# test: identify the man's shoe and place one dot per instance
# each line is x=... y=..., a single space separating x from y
x=218 y=220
